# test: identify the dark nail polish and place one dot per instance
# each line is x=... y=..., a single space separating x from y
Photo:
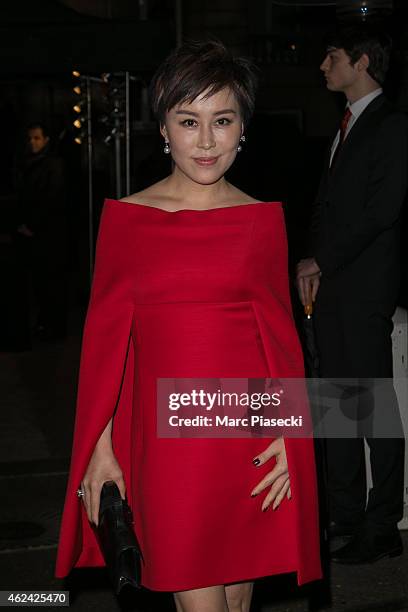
x=256 y=461
x=254 y=494
x=265 y=509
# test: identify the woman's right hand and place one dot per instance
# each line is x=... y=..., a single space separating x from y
x=103 y=466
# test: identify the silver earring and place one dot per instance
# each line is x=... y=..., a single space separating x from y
x=239 y=147
x=166 y=147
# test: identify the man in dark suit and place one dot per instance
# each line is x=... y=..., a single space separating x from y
x=354 y=277
x=42 y=231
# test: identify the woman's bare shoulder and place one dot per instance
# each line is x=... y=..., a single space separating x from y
x=240 y=197
x=151 y=196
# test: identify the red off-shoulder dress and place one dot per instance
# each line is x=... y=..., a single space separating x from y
x=191 y=293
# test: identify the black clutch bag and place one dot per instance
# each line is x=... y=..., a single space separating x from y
x=117 y=538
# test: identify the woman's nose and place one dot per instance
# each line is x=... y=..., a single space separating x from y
x=206 y=138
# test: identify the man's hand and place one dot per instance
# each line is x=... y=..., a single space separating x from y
x=307 y=280
x=23 y=229
x=307 y=267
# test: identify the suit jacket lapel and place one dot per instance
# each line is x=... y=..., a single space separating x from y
x=356 y=130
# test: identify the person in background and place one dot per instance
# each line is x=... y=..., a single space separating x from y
x=42 y=227
x=353 y=274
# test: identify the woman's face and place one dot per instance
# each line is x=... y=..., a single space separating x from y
x=204 y=135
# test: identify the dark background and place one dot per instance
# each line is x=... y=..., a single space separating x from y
x=42 y=42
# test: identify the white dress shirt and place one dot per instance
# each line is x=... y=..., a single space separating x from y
x=356 y=109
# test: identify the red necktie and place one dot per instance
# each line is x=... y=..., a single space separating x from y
x=343 y=128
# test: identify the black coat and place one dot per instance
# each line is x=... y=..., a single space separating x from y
x=356 y=218
x=42 y=193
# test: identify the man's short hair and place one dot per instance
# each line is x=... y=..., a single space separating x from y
x=359 y=39
x=39 y=125
x=199 y=66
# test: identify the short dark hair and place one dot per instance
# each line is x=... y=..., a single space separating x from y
x=368 y=39
x=198 y=66
x=39 y=125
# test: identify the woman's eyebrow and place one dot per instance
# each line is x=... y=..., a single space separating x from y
x=226 y=110
x=220 y=112
x=186 y=112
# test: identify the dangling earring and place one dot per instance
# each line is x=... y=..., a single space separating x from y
x=239 y=147
x=166 y=147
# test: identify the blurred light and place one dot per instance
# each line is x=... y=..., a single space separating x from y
x=348 y=10
x=110 y=136
x=77 y=108
x=293 y=47
x=77 y=90
x=75 y=73
x=77 y=123
x=78 y=140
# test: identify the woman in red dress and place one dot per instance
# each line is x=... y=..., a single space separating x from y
x=191 y=282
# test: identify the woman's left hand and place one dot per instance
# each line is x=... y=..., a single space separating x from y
x=277 y=479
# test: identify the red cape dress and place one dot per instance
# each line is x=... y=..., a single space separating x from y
x=191 y=293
